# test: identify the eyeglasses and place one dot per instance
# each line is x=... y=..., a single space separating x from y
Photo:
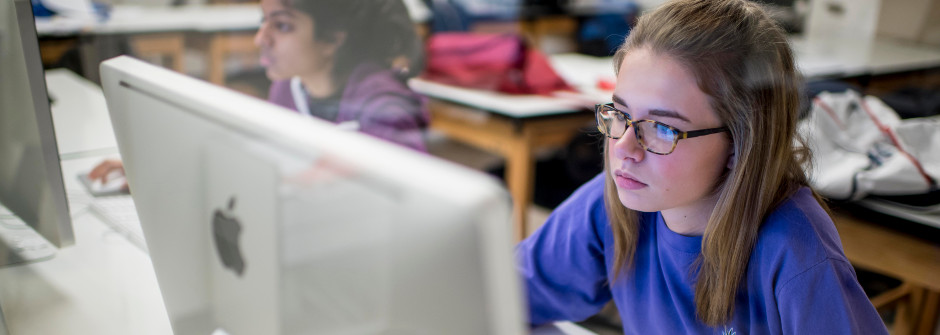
x=656 y=137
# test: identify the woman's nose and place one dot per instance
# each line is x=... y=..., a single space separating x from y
x=628 y=147
x=261 y=35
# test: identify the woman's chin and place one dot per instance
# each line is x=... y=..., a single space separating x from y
x=274 y=75
x=637 y=203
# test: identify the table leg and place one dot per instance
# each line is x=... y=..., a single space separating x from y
x=902 y=318
x=222 y=45
x=520 y=179
x=908 y=312
x=215 y=63
x=928 y=314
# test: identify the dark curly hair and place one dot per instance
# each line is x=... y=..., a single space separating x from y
x=377 y=31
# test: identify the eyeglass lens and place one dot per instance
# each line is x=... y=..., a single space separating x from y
x=652 y=136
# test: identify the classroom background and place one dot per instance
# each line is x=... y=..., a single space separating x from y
x=540 y=143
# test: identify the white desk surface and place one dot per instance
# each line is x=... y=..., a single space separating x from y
x=103 y=284
x=816 y=59
x=127 y=19
x=80 y=115
x=515 y=106
x=847 y=58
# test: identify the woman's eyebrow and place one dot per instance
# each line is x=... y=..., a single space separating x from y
x=618 y=100
x=278 y=13
x=668 y=113
x=657 y=112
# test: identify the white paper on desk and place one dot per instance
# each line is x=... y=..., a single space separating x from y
x=583 y=71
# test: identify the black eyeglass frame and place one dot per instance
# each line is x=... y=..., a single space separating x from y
x=632 y=123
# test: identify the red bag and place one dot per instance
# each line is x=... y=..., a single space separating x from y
x=495 y=62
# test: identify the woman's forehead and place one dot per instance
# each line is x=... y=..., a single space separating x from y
x=653 y=81
x=279 y=7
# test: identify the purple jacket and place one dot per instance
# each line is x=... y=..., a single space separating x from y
x=384 y=106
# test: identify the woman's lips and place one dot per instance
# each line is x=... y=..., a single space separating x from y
x=626 y=181
x=265 y=60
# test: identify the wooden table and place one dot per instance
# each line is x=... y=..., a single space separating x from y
x=160 y=31
x=513 y=139
x=913 y=260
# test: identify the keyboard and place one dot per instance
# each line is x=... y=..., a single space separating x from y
x=20 y=243
x=120 y=213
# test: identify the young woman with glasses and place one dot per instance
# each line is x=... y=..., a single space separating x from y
x=702 y=221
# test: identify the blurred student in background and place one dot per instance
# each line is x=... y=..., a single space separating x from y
x=343 y=61
x=702 y=221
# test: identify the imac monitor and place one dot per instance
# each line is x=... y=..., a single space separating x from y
x=262 y=221
x=32 y=193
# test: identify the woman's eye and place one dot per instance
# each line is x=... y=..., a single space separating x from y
x=664 y=132
x=282 y=27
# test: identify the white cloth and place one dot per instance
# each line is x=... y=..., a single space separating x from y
x=861 y=147
x=300 y=98
x=71 y=8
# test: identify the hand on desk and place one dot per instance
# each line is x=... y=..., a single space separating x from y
x=108 y=177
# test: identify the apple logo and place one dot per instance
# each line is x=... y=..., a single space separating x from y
x=226 y=229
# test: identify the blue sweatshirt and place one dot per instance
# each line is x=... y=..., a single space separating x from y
x=798 y=280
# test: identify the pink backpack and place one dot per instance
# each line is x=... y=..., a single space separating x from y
x=496 y=62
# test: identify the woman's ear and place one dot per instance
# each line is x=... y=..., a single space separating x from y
x=338 y=39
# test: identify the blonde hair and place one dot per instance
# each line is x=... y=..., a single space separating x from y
x=743 y=63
